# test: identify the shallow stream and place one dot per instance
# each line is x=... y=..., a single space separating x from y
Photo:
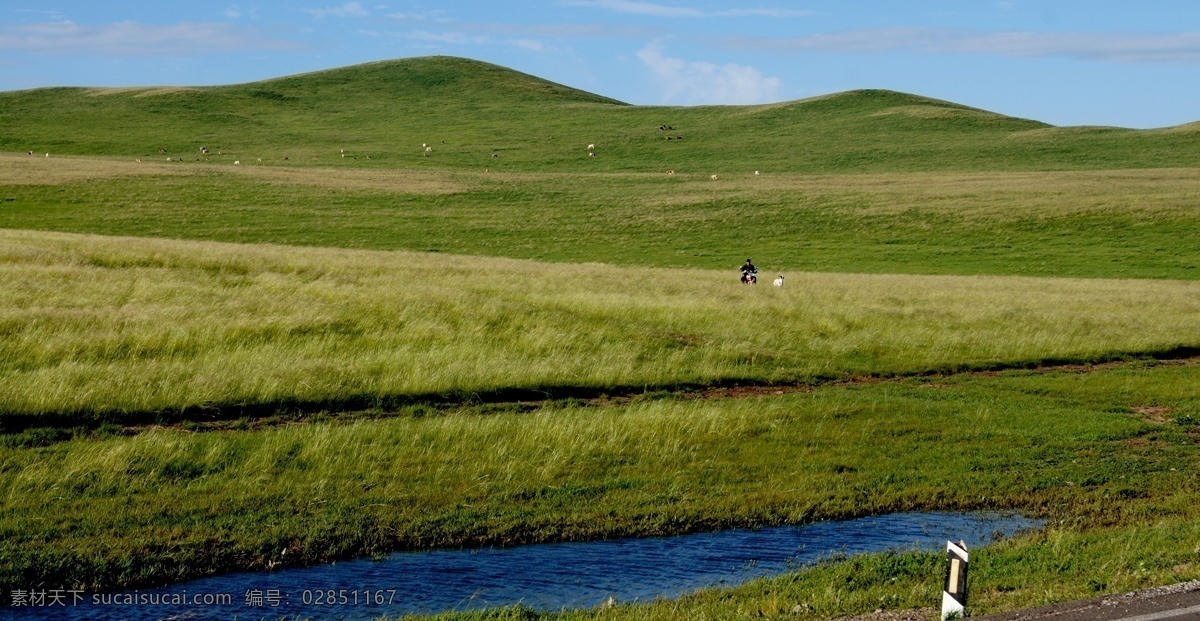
x=545 y=576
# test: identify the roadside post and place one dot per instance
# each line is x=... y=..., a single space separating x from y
x=954 y=594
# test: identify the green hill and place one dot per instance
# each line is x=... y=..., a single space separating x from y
x=477 y=115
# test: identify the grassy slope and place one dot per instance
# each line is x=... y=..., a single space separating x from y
x=1129 y=224
x=469 y=110
x=69 y=508
x=107 y=328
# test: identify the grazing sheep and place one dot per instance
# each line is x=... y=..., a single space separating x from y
x=756 y=173
x=714 y=177
x=429 y=149
x=237 y=162
x=138 y=160
x=591 y=146
x=48 y=155
x=671 y=173
x=779 y=281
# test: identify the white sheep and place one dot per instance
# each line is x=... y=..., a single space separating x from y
x=429 y=149
x=591 y=146
x=237 y=162
x=779 y=281
x=714 y=177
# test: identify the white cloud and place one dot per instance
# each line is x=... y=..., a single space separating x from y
x=1127 y=47
x=633 y=7
x=691 y=82
x=563 y=31
x=136 y=39
x=453 y=38
x=637 y=8
x=350 y=9
x=762 y=13
x=232 y=12
x=529 y=44
x=418 y=17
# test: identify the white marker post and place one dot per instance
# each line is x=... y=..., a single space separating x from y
x=954 y=595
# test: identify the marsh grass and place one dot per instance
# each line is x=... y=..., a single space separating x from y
x=99 y=328
x=168 y=504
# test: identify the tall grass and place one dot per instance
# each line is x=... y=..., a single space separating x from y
x=99 y=327
x=167 y=504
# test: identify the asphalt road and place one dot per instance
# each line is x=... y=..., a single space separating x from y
x=1178 y=602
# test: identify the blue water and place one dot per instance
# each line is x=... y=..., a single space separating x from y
x=545 y=576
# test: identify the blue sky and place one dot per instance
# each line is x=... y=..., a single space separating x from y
x=1130 y=64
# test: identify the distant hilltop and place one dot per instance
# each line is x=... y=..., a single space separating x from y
x=446 y=112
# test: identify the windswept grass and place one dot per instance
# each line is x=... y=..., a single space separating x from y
x=168 y=504
x=96 y=328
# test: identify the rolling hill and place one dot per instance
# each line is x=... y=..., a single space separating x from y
x=478 y=115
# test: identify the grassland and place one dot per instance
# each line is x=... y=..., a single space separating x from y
x=1106 y=224
x=166 y=504
x=119 y=329
x=396 y=344
x=469 y=111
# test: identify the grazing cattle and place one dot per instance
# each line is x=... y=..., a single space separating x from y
x=779 y=281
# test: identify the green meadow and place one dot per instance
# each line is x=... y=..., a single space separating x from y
x=316 y=337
